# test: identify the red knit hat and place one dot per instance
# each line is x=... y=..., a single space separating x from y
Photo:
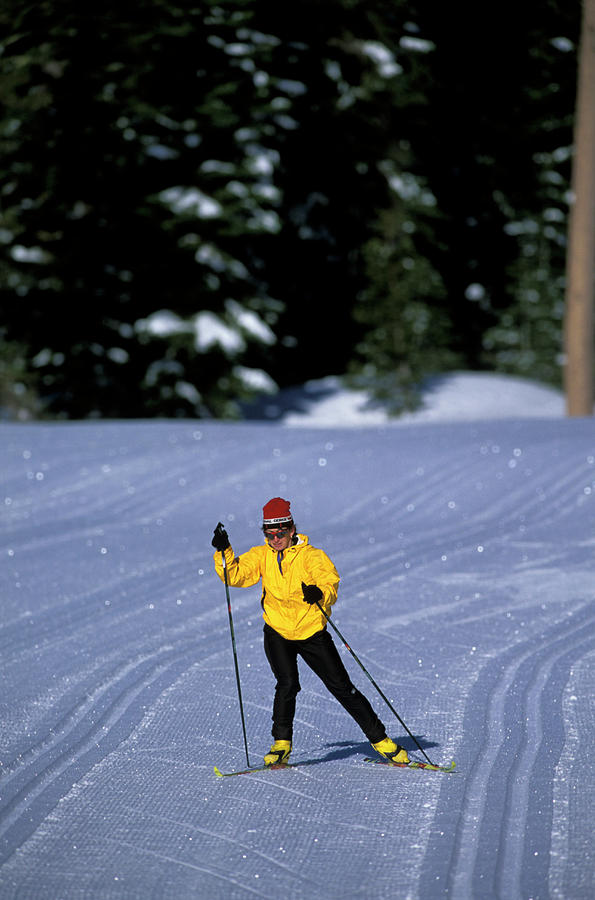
x=276 y=512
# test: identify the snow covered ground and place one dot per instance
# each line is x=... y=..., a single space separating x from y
x=465 y=539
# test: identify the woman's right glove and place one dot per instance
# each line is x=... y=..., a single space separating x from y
x=220 y=539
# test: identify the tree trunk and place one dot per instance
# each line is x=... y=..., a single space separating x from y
x=580 y=263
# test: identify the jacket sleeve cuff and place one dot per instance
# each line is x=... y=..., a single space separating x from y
x=228 y=553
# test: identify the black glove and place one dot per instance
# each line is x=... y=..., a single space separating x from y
x=312 y=593
x=220 y=540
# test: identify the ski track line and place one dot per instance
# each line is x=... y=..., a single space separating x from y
x=284 y=867
x=509 y=765
x=518 y=679
x=183 y=639
x=212 y=872
x=67 y=618
x=40 y=785
x=162 y=481
x=517 y=848
x=66 y=621
x=539 y=502
x=402 y=493
x=31 y=790
x=505 y=772
x=70 y=720
x=275 y=783
x=546 y=507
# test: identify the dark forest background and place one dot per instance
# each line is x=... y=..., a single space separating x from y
x=201 y=201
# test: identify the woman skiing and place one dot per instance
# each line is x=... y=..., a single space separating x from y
x=296 y=578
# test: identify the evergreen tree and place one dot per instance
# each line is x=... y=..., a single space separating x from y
x=526 y=337
x=135 y=180
x=470 y=269
x=201 y=199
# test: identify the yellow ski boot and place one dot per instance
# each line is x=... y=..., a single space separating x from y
x=279 y=753
x=391 y=751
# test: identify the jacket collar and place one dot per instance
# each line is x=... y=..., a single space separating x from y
x=302 y=540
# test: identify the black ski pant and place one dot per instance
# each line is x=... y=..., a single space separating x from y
x=320 y=653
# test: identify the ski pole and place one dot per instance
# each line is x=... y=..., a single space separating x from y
x=365 y=671
x=235 y=655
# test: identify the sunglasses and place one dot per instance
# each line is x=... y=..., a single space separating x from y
x=276 y=532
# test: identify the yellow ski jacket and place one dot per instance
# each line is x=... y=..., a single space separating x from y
x=283 y=604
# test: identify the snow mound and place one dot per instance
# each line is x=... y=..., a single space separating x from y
x=456 y=397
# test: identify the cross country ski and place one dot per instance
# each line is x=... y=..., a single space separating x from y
x=253 y=769
x=412 y=764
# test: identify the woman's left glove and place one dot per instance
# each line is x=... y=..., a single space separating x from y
x=312 y=593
